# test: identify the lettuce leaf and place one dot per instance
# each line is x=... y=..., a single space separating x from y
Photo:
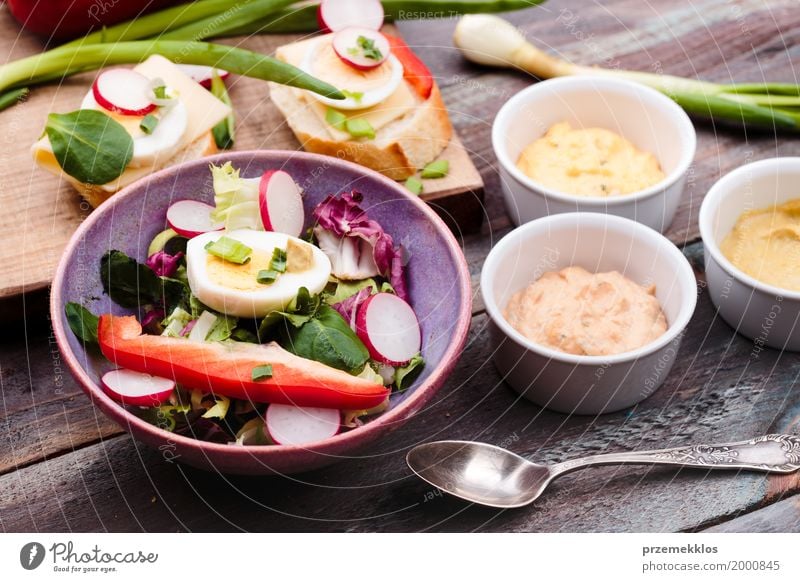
x=357 y=246
x=235 y=198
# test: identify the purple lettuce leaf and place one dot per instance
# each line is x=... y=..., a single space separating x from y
x=163 y=264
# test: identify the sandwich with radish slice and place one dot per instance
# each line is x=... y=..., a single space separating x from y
x=143 y=119
x=393 y=120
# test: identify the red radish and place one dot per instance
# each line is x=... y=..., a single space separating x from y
x=123 y=91
x=389 y=328
x=349 y=44
x=136 y=388
x=191 y=218
x=281 y=203
x=202 y=74
x=293 y=425
x=334 y=15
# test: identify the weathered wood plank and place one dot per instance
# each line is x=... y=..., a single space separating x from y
x=782 y=516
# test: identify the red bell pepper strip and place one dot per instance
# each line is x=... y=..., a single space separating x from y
x=227 y=368
x=415 y=72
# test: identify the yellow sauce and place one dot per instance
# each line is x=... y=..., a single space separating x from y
x=591 y=162
x=765 y=244
x=587 y=314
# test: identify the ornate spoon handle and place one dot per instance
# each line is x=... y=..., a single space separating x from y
x=778 y=453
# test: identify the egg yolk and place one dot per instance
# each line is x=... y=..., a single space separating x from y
x=239 y=277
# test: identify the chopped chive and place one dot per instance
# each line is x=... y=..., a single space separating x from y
x=437 y=169
x=148 y=123
x=414 y=185
x=354 y=95
x=367 y=45
x=161 y=92
x=267 y=276
x=336 y=119
x=360 y=128
x=278 y=262
x=262 y=372
x=229 y=250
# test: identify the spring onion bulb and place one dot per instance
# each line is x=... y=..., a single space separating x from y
x=490 y=40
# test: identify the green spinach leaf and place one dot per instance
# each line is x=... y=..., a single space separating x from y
x=89 y=145
x=327 y=338
x=82 y=322
x=131 y=284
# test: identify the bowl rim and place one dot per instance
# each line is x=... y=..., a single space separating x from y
x=600 y=84
x=713 y=200
x=349 y=439
x=686 y=280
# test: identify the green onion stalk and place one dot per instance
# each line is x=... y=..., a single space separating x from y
x=205 y=19
x=63 y=62
x=490 y=40
x=303 y=16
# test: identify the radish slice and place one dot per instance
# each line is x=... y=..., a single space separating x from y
x=123 y=91
x=136 y=388
x=334 y=15
x=191 y=218
x=202 y=74
x=280 y=203
x=350 y=46
x=389 y=328
x=293 y=425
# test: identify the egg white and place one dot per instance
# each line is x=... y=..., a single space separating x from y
x=165 y=140
x=252 y=303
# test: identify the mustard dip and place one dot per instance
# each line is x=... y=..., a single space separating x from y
x=765 y=244
x=591 y=162
x=587 y=314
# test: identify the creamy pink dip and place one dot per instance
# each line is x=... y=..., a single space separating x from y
x=582 y=313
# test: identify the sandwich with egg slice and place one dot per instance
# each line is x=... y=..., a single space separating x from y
x=393 y=120
x=140 y=120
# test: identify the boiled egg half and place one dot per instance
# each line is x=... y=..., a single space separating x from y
x=233 y=289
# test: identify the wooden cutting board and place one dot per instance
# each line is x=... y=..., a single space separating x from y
x=39 y=212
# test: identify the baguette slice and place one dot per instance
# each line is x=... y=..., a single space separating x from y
x=399 y=149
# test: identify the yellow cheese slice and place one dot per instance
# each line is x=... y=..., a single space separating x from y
x=204 y=111
x=399 y=104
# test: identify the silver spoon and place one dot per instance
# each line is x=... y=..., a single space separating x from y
x=496 y=477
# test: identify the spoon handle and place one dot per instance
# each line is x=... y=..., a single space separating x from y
x=772 y=453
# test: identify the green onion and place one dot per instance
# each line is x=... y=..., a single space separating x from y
x=148 y=123
x=278 y=262
x=267 y=276
x=336 y=119
x=304 y=19
x=360 y=128
x=63 y=62
x=354 y=95
x=224 y=132
x=217 y=25
x=490 y=40
x=13 y=97
x=262 y=372
x=229 y=250
x=368 y=48
x=414 y=185
x=434 y=170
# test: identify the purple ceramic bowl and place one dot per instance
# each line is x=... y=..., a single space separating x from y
x=438 y=278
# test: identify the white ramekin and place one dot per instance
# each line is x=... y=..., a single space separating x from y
x=768 y=315
x=599 y=243
x=650 y=120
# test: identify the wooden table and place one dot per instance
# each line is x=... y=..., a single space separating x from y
x=63 y=466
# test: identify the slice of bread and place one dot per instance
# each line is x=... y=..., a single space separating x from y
x=399 y=149
x=96 y=195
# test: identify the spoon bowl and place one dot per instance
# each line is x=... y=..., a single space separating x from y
x=479 y=472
